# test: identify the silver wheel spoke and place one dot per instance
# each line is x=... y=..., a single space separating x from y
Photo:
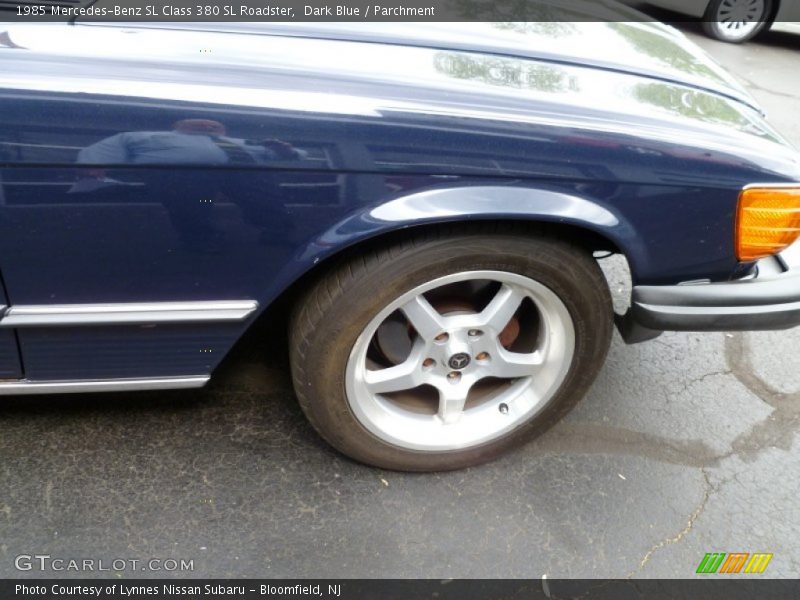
x=405 y=376
x=423 y=317
x=515 y=364
x=451 y=402
x=502 y=307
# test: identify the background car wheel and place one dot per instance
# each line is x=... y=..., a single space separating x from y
x=443 y=351
x=736 y=21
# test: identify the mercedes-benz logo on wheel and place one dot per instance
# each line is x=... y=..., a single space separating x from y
x=459 y=361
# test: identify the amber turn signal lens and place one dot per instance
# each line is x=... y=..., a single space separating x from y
x=767 y=221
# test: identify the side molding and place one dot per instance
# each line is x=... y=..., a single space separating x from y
x=54 y=315
x=23 y=386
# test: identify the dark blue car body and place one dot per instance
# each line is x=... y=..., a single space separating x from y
x=143 y=166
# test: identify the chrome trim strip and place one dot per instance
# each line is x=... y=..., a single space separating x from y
x=127 y=313
x=774 y=185
x=25 y=386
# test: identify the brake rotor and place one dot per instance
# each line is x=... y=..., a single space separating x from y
x=394 y=337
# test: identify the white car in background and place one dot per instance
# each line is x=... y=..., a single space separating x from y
x=737 y=21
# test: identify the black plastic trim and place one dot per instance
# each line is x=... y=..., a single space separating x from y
x=767 y=302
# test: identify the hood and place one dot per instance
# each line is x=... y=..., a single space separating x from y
x=646 y=49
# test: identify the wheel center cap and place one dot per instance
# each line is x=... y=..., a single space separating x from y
x=459 y=361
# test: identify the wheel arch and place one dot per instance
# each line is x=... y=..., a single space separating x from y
x=592 y=224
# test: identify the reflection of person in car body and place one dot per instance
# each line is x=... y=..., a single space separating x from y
x=191 y=141
x=201 y=142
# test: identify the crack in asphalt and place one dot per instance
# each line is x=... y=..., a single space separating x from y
x=674 y=539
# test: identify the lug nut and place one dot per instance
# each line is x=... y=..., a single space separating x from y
x=503 y=408
x=454 y=376
x=442 y=337
x=428 y=363
x=482 y=356
x=474 y=332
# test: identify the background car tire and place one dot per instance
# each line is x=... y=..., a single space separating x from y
x=720 y=21
x=336 y=309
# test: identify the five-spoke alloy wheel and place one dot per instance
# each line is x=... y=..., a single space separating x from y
x=443 y=350
x=451 y=354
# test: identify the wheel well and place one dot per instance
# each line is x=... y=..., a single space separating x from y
x=590 y=240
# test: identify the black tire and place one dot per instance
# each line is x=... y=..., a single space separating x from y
x=335 y=310
x=714 y=27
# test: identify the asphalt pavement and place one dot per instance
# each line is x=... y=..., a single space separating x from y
x=685 y=445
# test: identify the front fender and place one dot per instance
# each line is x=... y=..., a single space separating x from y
x=478 y=203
